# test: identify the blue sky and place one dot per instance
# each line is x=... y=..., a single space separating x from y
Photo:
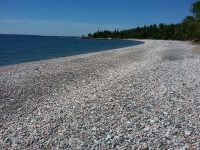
x=77 y=17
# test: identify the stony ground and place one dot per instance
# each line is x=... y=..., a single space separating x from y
x=142 y=97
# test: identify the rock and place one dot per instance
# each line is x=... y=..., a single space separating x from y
x=152 y=121
x=146 y=129
x=144 y=146
x=167 y=134
x=8 y=141
x=93 y=97
x=165 y=113
x=155 y=119
x=108 y=137
x=129 y=125
x=94 y=128
x=187 y=146
x=95 y=114
x=187 y=132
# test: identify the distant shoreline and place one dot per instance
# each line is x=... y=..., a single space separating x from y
x=39 y=35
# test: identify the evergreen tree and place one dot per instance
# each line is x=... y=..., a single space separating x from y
x=189 y=29
x=196 y=9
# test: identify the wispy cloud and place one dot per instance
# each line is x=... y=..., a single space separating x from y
x=49 y=27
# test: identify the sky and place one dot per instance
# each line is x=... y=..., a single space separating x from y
x=78 y=17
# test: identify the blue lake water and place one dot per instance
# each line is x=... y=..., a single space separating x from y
x=16 y=49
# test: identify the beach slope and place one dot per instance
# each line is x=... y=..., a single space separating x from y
x=145 y=96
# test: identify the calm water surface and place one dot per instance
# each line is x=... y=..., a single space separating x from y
x=16 y=49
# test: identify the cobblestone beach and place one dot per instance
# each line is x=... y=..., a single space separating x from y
x=140 y=97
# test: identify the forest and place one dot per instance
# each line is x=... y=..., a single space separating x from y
x=188 y=29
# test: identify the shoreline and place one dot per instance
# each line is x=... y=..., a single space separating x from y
x=37 y=52
x=75 y=56
x=95 y=100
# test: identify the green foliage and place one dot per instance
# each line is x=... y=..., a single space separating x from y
x=189 y=29
x=196 y=9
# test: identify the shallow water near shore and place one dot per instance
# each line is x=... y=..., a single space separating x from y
x=15 y=49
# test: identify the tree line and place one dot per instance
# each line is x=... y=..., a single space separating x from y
x=188 y=29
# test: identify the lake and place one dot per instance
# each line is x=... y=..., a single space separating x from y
x=15 y=49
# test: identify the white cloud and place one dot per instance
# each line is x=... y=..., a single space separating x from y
x=48 y=27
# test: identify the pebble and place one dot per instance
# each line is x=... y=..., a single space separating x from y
x=93 y=97
x=152 y=121
x=130 y=98
x=187 y=133
x=108 y=137
x=146 y=129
